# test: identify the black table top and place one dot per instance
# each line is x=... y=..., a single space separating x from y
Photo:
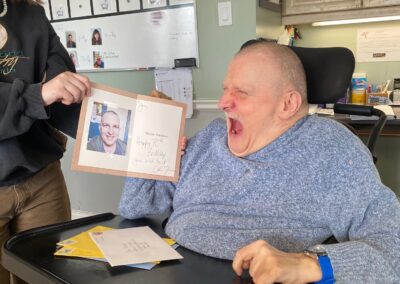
x=29 y=255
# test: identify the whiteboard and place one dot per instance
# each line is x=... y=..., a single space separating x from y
x=134 y=35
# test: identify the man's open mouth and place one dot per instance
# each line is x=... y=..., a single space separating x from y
x=235 y=127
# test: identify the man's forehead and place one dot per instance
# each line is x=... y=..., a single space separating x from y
x=110 y=115
x=249 y=68
x=261 y=56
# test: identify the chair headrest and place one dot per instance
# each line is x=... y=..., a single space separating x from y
x=328 y=71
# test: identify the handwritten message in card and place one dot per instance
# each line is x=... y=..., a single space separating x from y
x=121 y=133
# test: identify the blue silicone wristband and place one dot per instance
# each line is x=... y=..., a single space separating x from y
x=327 y=271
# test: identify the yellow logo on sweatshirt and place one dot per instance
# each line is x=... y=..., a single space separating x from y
x=8 y=60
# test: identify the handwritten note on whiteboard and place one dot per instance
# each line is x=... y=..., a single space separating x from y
x=378 y=44
x=121 y=133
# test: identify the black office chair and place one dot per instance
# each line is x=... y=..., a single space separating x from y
x=328 y=72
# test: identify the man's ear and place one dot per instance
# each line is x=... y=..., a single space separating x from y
x=291 y=103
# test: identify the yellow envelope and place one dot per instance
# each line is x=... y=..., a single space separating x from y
x=81 y=245
x=83 y=240
x=76 y=252
x=169 y=241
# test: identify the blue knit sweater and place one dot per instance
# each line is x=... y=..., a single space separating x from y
x=314 y=181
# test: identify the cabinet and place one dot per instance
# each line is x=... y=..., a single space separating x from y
x=309 y=11
x=293 y=7
x=274 y=5
x=380 y=3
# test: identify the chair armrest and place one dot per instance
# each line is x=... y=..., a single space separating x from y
x=353 y=109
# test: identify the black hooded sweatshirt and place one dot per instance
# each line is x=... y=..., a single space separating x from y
x=32 y=54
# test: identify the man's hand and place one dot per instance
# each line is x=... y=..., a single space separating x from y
x=158 y=94
x=267 y=264
x=183 y=144
x=67 y=88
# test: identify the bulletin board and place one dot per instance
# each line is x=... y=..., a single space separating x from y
x=125 y=34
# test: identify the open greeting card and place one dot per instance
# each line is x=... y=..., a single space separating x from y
x=126 y=134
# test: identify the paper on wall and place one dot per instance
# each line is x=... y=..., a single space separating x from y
x=177 y=84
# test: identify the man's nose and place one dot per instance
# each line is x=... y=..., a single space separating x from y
x=225 y=102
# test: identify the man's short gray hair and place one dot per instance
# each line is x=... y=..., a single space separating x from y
x=290 y=67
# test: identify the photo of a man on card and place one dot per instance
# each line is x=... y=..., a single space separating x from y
x=108 y=134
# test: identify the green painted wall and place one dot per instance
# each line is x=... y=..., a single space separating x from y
x=217 y=45
x=346 y=35
x=268 y=23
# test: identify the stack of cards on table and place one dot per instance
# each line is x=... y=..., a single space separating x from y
x=138 y=247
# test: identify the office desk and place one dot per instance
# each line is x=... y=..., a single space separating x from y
x=363 y=127
x=29 y=255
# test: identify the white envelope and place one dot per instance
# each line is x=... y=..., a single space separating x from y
x=133 y=245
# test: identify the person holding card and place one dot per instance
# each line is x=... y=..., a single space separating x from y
x=267 y=187
x=39 y=95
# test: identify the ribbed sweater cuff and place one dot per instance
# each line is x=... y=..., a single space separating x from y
x=357 y=262
x=346 y=258
x=34 y=107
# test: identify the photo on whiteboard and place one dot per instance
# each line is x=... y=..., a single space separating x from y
x=108 y=129
x=98 y=60
x=74 y=57
x=70 y=38
x=96 y=37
